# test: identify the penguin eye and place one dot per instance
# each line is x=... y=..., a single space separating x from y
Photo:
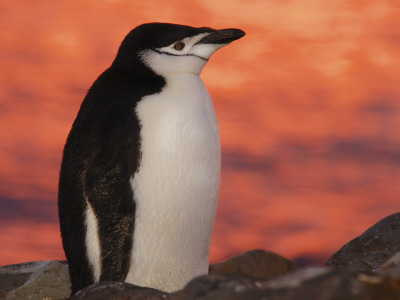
x=179 y=46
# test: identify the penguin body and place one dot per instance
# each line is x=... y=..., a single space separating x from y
x=140 y=174
x=184 y=147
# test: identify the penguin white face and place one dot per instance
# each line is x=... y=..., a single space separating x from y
x=183 y=56
x=190 y=54
x=189 y=47
x=170 y=48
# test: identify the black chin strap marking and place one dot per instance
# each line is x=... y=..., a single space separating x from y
x=167 y=53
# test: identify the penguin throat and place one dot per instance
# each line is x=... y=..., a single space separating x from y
x=172 y=54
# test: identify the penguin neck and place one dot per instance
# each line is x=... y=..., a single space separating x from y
x=181 y=79
x=186 y=90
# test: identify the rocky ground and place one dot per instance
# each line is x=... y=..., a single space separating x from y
x=366 y=268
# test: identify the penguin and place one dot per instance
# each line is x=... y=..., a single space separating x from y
x=140 y=172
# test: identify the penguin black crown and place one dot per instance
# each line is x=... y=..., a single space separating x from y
x=140 y=173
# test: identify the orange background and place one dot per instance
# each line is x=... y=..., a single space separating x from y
x=307 y=102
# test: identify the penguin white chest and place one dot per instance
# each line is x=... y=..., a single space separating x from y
x=176 y=186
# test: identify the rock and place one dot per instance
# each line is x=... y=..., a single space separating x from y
x=23 y=268
x=325 y=286
x=9 y=282
x=332 y=285
x=217 y=286
x=297 y=278
x=391 y=269
x=254 y=275
x=371 y=249
x=257 y=264
x=14 y=276
x=51 y=280
x=383 y=287
x=311 y=283
x=111 y=290
x=391 y=263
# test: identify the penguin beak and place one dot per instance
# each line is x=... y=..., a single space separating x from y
x=223 y=36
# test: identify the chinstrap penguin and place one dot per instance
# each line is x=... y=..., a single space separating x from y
x=140 y=173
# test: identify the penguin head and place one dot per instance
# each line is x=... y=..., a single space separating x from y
x=170 y=48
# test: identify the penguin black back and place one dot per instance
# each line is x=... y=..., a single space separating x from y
x=101 y=153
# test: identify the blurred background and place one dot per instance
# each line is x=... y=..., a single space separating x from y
x=308 y=105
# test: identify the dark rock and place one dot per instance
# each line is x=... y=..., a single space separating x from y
x=383 y=287
x=333 y=285
x=257 y=264
x=326 y=284
x=51 y=280
x=311 y=283
x=391 y=263
x=111 y=290
x=217 y=286
x=371 y=249
x=391 y=269
x=297 y=278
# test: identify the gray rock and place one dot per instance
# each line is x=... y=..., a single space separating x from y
x=51 y=280
x=9 y=282
x=13 y=276
x=371 y=249
x=257 y=264
x=23 y=268
x=111 y=290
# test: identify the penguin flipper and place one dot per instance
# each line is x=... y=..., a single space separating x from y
x=72 y=219
x=109 y=194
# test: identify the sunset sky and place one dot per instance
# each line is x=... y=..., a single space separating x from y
x=308 y=104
